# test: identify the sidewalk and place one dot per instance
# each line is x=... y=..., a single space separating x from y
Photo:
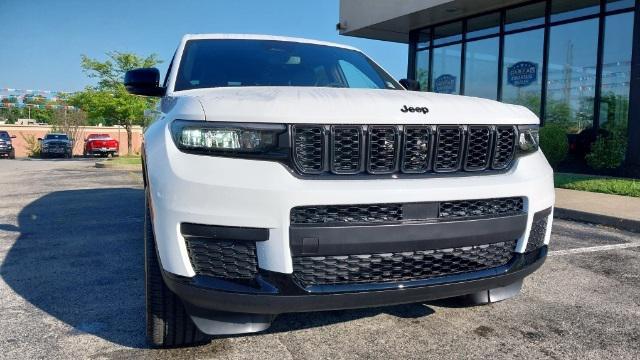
x=621 y=212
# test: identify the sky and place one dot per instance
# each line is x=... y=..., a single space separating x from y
x=41 y=41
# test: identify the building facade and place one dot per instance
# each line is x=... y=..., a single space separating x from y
x=572 y=62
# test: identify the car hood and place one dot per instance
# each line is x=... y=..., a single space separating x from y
x=360 y=106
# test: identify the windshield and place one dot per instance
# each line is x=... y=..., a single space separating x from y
x=227 y=63
x=4 y=135
x=56 y=137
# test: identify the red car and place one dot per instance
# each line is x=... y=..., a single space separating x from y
x=101 y=144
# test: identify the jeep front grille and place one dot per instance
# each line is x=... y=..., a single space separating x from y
x=402 y=266
x=408 y=149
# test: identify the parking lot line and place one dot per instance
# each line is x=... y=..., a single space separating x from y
x=594 y=249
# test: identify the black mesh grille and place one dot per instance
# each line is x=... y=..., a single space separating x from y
x=309 y=148
x=475 y=208
x=393 y=213
x=504 y=147
x=405 y=266
x=478 y=148
x=347 y=149
x=538 y=231
x=409 y=149
x=417 y=144
x=383 y=149
x=448 y=149
x=222 y=258
x=346 y=214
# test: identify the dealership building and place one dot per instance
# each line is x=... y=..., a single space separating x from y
x=572 y=62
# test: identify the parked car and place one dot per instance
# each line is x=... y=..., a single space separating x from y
x=6 y=145
x=56 y=145
x=101 y=145
x=289 y=175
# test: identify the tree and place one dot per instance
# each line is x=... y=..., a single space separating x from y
x=109 y=100
x=69 y=122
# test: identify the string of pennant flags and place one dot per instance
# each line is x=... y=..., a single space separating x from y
x=36 y=106
x=32 y=91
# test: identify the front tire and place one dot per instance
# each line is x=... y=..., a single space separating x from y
x=168 y=324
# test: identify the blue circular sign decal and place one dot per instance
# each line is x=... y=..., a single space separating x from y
x=445 y=84
x=523 y=73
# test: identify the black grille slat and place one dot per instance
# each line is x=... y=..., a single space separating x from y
x=383 y=149
x=504 y=148
x=417 y=149
x=476 y=208
x=222 y=258
x=405 y=266
x=346 y=148
x=448 y=149
x=309 y=148
x=478 y=151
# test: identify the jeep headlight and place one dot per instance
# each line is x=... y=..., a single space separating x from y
x=231 y=139
x=528 y=138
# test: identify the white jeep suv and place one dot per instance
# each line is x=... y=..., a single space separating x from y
x=289 y=175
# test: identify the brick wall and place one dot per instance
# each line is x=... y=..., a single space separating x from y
x=39 y=131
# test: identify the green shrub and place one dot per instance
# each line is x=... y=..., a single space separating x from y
x=554 y=143
x=32 y=145
x=607 y=152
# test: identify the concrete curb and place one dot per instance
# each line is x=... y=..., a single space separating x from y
x=110 y=165
x=612 y=221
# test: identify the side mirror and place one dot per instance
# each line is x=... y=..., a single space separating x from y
x=410 y=85
x=145 y=81
x=39 y=139
x=13 y=136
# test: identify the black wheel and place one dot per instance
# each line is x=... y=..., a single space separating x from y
x=12 y=154
x=168 y=324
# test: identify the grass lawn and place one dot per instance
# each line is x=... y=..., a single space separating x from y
x=600 y=184
x=126 y=160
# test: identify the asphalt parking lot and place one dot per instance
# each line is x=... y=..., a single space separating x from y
x=71 y=286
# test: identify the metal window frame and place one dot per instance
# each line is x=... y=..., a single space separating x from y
x=601 y=15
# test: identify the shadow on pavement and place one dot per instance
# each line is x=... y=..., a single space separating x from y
x=79 y=258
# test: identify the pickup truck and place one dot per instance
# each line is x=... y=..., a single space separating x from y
x=289 y=175
x=6 y=145
x=101 y=145
x=58 y=145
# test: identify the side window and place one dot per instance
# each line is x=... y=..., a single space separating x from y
x=166 y=76
x=355 y=78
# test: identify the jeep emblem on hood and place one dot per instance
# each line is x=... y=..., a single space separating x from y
x=423 y=110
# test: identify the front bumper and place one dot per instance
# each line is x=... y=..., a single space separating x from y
x=277 y=293
x=102 y=151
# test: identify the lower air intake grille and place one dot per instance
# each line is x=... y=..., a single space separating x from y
x=405 y=266
x=538 y=230
x=223 y=258
x=395 y=213
x=380 y=213
x=475 y=208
